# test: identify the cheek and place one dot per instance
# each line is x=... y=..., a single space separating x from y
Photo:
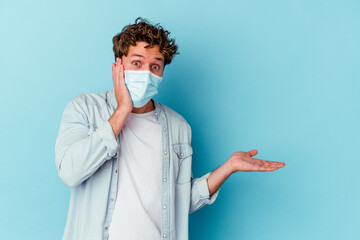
x=160 y=73
x=127 y=66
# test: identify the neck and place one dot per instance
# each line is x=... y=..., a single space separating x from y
x=148 y=107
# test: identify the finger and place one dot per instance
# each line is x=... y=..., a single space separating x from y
x=115 y=74
x=271 y=162
x=118 y=66
x=265 y=163
x=277 y=164
x=113 y=69
x=266 y=169
x=121 y=72
x=252 y=152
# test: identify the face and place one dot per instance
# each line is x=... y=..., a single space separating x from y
x=141 y=58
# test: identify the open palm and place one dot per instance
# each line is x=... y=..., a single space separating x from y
x=244 y=161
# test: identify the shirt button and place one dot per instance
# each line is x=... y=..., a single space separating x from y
x=164 y=235
x=164 y=206
x=164 y=179
x=106 y=228
x=164 y=129
x=165 y=153
x=155 y=113
x=181 y=154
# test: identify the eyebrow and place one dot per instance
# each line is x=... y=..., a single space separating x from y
x=138 y=55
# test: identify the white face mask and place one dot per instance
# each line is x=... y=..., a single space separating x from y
x=142 y=86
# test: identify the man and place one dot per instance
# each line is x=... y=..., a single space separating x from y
x=127 y=158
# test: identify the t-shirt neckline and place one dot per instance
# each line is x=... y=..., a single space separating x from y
x=140 y=115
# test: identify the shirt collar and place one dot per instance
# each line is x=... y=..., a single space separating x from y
x=112 y=101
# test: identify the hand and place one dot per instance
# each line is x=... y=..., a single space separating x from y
x=122 y=94
x=243 y=161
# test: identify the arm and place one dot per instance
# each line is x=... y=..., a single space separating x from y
x=205 y=190
x=218 y=177
x=200 y=194
x=78 y=153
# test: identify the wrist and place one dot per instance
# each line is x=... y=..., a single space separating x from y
x=229 y=166
x=122 y=111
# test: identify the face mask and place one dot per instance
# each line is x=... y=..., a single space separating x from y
x=142 y=86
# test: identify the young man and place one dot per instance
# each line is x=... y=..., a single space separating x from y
x=127 y=158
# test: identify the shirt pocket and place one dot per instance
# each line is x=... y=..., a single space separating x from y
x=183 y=155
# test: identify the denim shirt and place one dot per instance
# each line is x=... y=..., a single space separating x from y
x=86 y=157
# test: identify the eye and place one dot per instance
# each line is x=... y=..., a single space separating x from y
x=156 y=67
x=136 y=63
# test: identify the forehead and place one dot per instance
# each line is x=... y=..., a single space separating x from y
x=153 y=52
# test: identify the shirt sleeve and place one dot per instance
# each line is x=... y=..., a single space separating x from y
x=200 y=193
x=79 y=152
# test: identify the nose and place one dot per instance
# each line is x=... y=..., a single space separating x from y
x=148 y=67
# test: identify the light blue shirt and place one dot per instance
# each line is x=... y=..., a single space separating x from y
x=86 y=157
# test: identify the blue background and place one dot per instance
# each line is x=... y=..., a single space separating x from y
x=281 y=77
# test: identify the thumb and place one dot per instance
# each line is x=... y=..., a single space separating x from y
x=252 y=152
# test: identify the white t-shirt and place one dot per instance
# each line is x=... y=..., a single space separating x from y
x=137 y=213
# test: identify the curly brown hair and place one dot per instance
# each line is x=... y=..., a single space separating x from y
x=142 y=30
